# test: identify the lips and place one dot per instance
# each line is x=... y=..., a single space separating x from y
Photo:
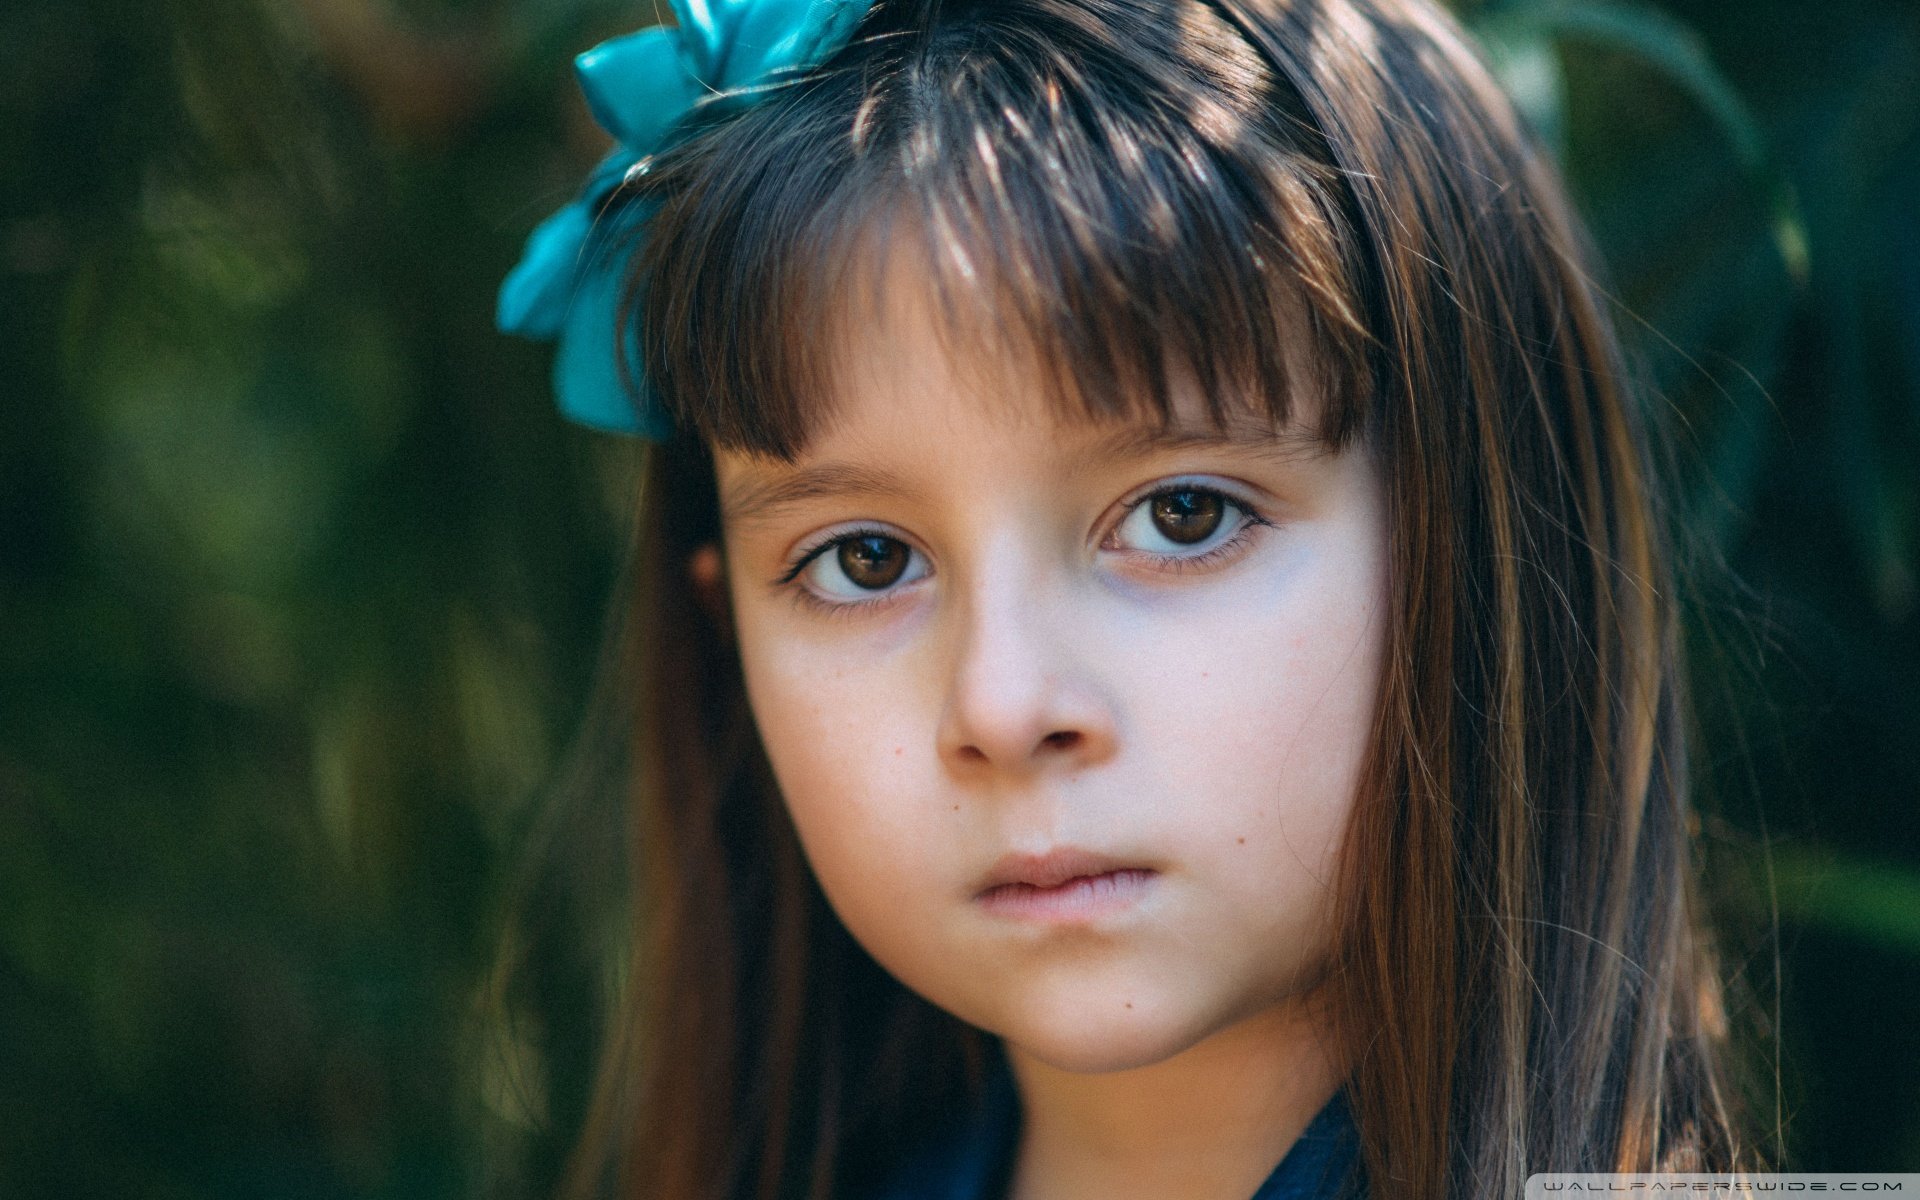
x=1054 y=868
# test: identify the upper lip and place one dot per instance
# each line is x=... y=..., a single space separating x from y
x=1052 y=868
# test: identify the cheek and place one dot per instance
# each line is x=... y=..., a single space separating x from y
x=842 y=745
x=1260 y=725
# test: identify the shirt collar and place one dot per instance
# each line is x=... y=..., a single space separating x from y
x=975 y=1161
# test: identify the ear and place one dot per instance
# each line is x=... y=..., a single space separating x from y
x=706 y=571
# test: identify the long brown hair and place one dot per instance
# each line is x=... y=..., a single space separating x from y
x=1134 y=187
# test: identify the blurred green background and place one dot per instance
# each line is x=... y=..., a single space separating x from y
x=302 y=583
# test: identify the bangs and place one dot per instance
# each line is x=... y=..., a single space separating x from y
x=1123 y=194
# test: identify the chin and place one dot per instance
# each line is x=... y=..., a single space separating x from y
x=1094 y=1037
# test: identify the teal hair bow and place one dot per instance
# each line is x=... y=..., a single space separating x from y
x=641 y=87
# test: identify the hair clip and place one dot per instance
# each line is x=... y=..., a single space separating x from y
x=640 y=88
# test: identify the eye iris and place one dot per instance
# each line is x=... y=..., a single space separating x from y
x=872 y=562
x=1187 y=517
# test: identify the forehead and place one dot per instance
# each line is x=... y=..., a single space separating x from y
x=926 y=381
x=917 y=342
x=759 y=488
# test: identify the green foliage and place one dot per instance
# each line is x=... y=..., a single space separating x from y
x=303 y=583
x=1522 y=39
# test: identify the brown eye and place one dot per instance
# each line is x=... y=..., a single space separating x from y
x=1187 y=517
x=873 y=562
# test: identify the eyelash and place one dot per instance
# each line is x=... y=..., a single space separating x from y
x=805 y=598
x=1249 y=518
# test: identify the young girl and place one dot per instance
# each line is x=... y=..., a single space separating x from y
x=1156 y=648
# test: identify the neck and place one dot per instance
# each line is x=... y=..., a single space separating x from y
x=1208 y=1123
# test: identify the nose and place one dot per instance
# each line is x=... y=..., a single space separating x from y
x=1021 y=696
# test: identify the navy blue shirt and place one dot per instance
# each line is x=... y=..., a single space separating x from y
x=975 y=1160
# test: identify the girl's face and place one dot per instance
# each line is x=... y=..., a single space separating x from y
x=975 y=636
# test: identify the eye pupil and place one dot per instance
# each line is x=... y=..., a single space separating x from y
x=1187 y=517
x=873 y=562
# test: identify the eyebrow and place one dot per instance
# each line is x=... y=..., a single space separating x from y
x=1134 y=441
x=756 y=500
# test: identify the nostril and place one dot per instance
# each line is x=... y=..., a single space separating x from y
x=1064 y=739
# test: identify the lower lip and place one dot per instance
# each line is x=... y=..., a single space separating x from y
x=1075 y=901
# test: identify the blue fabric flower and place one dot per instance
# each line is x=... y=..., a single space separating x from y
x=640 y=87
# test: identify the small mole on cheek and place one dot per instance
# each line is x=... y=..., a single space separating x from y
x=1242 y=841
x=956 y=808
x=1129 y=1004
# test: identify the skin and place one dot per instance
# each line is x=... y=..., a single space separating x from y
x=1050 y=669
